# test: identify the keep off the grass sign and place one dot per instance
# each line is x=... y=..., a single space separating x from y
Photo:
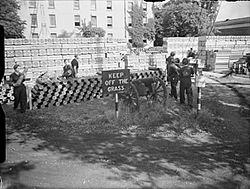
x=115 y=81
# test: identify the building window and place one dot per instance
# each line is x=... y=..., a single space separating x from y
x=110 y=35
x=33 y=20
x=94 y=21
x=144 y=21
x=32 y=3
x=144 y=6
x=35 y=35
x=109 y=5
x=109 y=22
x=76 y=4
x=51 y=4
x=53 y=35
x=130 y=6
x=52 y=19
x=129 y=21
x=93 y=4
x=77 y=20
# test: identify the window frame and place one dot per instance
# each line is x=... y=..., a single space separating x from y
x=32 y=4
x=76 y=20
x=146 y=21
x=51 y=6
x=54 y=35
x=109 y=25
x=95 y=21
x=31 y=20
x=130 y=8
x=110 y=35
x=146 y=6
x=129 y=21
x=109 y=8
x=93 y=5
x=77 y=2
x=34 y=34
x=51 y=20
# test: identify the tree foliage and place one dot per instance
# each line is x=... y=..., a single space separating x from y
x=138 y=31
x=89 y=31
x=158 y=19
x=149 y=30
x=10 y=20
x=181 y=18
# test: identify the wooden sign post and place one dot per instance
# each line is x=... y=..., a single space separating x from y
x=200 y=83
x=115 y=81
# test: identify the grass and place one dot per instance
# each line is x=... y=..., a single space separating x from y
x=98 y=116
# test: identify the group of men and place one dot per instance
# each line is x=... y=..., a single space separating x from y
x=17 y=78
x=183 y=73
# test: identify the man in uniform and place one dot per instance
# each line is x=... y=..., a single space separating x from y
x=75 y=66
x=186 y=72
x=168 y=62
x=19 y=89
x=173 y=75
x=67 y=70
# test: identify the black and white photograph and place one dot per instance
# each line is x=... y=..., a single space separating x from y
x=120 y=94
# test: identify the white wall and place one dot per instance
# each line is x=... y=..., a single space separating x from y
x=64 y=11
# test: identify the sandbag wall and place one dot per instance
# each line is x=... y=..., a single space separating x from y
x=40 y=55
x=145 y=60
x=6 y=94
x=228 y=48
x=180 y=45
x=77 y=90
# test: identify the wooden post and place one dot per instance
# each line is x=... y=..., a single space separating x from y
x=116 y=105
x=198 y=99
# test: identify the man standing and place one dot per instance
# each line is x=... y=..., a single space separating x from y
x=20 y=95
x=75 y=66
x=186 y=72
x=67 y=70
x=168 y=62
x=191 y=53
x=173 y=74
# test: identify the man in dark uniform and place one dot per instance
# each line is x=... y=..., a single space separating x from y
x=186 y=72
x=173 y=74
x=19 y=89
x=75 y=66
x=67 y=70
x=168 y=62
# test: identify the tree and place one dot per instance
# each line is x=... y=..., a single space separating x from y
x=186 y=18
x=149 y=30
x=136 y=31
x=10 y=20
x=89 y=31
x=158 y=19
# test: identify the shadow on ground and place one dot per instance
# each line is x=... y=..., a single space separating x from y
x=133 y=155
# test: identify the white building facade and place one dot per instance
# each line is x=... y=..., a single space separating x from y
x=50 y=18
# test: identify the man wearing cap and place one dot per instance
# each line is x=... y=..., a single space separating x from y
x=173 y=74
x=75 y=66
x=186 y=72
x=168 y=62
x=20 y=95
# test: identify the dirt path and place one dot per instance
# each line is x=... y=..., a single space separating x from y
x=215 y=158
